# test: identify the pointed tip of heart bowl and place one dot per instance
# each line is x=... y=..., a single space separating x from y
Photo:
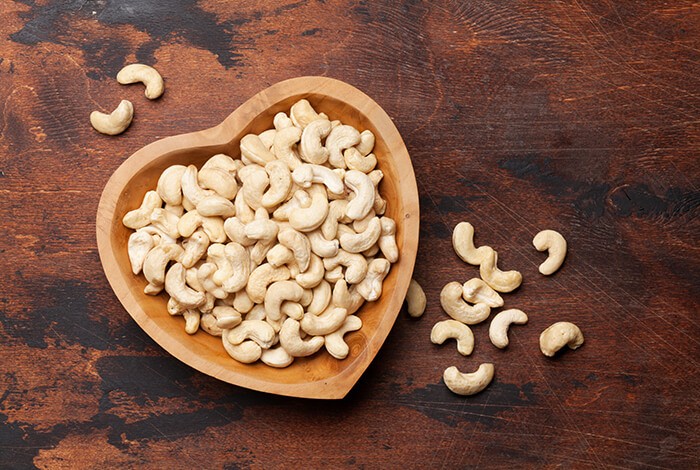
x=319 y=376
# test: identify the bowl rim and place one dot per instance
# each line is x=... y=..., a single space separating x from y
x=336 y=386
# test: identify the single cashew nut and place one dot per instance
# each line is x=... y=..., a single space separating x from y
x=262 y=228
x=325 y=323
x=226 y=317
x=339 y=139
x=502 y=281
x=416 y=300
x=363 y=188
x=280 y=183
x=366 y=142
x=355 y=264
x=379 y=205
x=178 y=290
x=145 y=74
x=255 y=181
x=263 y=276
x=279 y=255
x=310 y=148
x=299 y=244
x=558 y=335
x=281 y=121
x=115 y=122
x=443 y=330
x=169 y=186
x=247 y=352
x=166 y=222
x=141 y=217
x=555 y=244
x=475 y=290
x=463 y=244
x=335 y=343
x=276 y=357
x=336 y=212
x=268 y=137
x=195 y=246
x=190 y=186
x=192 y=321
x=302 y=114
x=320 y=246
x=468 y=384
x=306 y=174
x=310 y=218
x=321 y=298
x=359 y=242
x=219 y=180
x=279 y=292
x=208 y=323
x=242 y=302
x=290 y=340
x=155 y=263
x=140 y=243
x=256 y=330
x=283 y=146
x=454 y=305
x=239 y=261
x=313 y=275
x=243 y=211
x=371 y=286
x=253 y=148
x=356 y=161
x=387 y=240
x=498 y=330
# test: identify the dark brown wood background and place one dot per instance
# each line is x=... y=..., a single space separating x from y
x=576 y=115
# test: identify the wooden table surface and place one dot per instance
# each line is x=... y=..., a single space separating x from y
x=580 y=116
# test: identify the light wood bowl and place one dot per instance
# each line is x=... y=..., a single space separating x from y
x=319 y=376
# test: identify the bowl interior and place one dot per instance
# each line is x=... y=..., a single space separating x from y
x=318 y=376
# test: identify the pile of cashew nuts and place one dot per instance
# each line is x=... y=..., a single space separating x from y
x=471 y=303
x=274 y=252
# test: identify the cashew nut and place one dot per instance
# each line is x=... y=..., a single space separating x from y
x=280 y=183
x=325 y=323
x=453 y=329
x=453 y=304
x=299 y=244
x=253 y=148
x=335 y=343
x=277 y=293
x=243 y=211
x=263 y=276
x=115 y=122
x=277 y=357
x=166 y=222
x=371 y=286
x=415 y=298
x=306 y=174
x=363 y=188
x=255 y=181
x=340 y=138
x=310 y=148
x=190 y=186
x=239 y=261
x=140 y=243
x=283 y=146
x=155 y=263
x=321 y=298
x=498 y=330
x=336 y=212
x=279 y=255
x=463 y=244
x=355 y=264
x=558 y=335
x=219 y=180
x=310 y=218
x=359 y=242
x=212 y=226
x=145 y=74
x=226 y=317
x=313 y=275
x=387 y=240
x=555 y=244
x=320 y=246
x=290 y=340
x=262 y=228
x=195 y=246
x=502 y=281
x=268 y=137
x=192 y=320
x=178 y=290
x=247 y=352
x=379 y=205
x=356 y=161
x=468 y=384
x=141 y=217
x=205 y=276
x=242 y=302
x=281 y=121
x=475 y=290
x=256 y=330
x=208 y=323
x=302 y=113
x=169 y=186
x=366 y=142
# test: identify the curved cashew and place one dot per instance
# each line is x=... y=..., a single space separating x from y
x=243 y=211
x=226 y=317
x=299 y=244
x=379 y=205
x=256 y=330
x=135 y=73
x=306 y=174
x=302 y=113
x=140 y=243
x=263 y=276
x=475 y=290
x=258 y=252
x=208 y=323
x=239 y=261
x=321 y=298
x=280 y=183
x=290 y=340
x=325 y=323
x=205 y=276
x=387 y=240
x=363 y=188
x=222 y=182
x=366 y=142
x=216 y=253
x=155 y=263
x=190 y=186
x=453 y=304
x=279 y=255
x=169 y=185
x=115 y=122
x=502 y=281
x=192 y=320
x=277 y=293
x=221 y=161
x=555 y=244
x=178 y=290
x=281 y=121
x=313 y=275
x=310 y=148
x=355 y=264
x=356 y=161
x=283 y=146
x=340 y=138
x=268 y=137
x=242 y=302
x=195 y=246
x=215 y=205
x=336 y=212
x=166 y=222
x=371 y=286
x=276 y=357
x=310 y=218
x=247 y=352
x=558 y=335
x=235 y=230
x=498 y=330
x=359 y=242
x=468 y=384
x=320 y=246
x=141 y=217
x=288 y=309
x=255 y=181
x=446 y=329
x=463 y=244
x=416 y=300
x=253 y=148
x=335 y=344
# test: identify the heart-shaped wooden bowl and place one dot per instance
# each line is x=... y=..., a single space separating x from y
x=318 y=376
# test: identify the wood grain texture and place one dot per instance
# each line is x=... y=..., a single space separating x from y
x=575 y=115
